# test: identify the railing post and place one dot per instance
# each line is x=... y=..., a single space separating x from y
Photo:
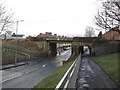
x=70 y=76
x=74 y=74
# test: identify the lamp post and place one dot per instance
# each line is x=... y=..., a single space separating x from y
x=16 y=38
x=17 y=25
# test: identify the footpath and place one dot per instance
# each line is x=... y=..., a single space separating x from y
x=91 y=77
x=3 y=67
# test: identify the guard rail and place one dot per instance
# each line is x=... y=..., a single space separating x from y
x=70 y=77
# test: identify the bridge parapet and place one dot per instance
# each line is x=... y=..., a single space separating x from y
x=85 y=39
x=59 y=40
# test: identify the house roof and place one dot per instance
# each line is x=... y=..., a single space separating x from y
x=47 y=35
x=113 y=29
x=18 y=35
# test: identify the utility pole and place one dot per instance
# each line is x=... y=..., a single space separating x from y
x=16 y=38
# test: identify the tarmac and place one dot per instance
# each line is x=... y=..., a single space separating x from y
x=92 y=77
x=3 y=67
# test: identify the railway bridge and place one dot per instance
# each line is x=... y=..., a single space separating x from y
x=77 y=44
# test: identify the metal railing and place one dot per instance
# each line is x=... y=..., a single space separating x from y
x=15 y=47
x=70 y=77
x=16 y=51
x=33 y=54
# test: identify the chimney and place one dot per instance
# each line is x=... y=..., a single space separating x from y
x=40 y=33
x=59 y=36
x=55 y=34
x=48 y=33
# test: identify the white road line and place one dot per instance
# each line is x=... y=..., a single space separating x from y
x=53 y=62
x=11 y=78
x=32 y=70
x=44 y=65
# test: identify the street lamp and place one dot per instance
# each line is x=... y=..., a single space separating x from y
x=17 y=25
x=16 y=38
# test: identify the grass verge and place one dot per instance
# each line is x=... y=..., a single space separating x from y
x=109 y=63
x=52 y=80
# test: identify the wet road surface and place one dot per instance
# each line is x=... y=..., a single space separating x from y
x=91 y=77
x=28 y=76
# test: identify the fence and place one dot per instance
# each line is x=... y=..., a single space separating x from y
x=70 y=77
x=15 y=47
x=16 y=51
x=24 y=51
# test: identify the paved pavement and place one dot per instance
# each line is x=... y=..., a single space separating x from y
x=27 y=76
x=91 y=77
x=13 y=65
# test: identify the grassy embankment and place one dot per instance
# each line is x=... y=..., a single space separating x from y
x=9 y=56
x=27 y=44
x=109 y=63
x=52 y=80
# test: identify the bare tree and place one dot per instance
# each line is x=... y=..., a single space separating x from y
x=6 y=18
x=108 y=15
x=89 y=32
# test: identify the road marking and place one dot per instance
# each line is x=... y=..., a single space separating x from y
x=11 y=78
x=32 y=70
x=44 y=65
x=53 y=62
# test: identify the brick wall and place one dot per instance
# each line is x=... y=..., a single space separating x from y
x=112 y=34
x=106 y=49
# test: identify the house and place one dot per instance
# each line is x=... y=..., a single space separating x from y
x=8 y=35
x=17 y=36
x=47 y=35
x=112 y=34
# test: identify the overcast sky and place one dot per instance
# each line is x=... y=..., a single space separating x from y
x=63 y=17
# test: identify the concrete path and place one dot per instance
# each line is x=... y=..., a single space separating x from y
x=91 y=77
